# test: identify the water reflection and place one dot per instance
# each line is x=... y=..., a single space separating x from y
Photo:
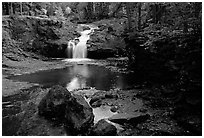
x=79 y=81
x=76 y=83
x=81 y=70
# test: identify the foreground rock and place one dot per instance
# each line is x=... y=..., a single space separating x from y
x=103 y=128
x=59 y=105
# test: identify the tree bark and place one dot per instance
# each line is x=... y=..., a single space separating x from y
x=21 y=7
x=128 y=15
x=185 y=27
x=6 y=8
x=89 y=11
x=154 y=11
x=197 y=9
x=11 y=12
x=139 y=15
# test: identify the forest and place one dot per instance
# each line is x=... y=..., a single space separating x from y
x=157 y=46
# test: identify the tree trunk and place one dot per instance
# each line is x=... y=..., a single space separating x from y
x=105 y=9
x=139 y=15
x=128 y=15
x=31 y=8
x=154 y=11
x=11 y=12
x=185 y=27
x=21 y=7
x=6 y=9
x=100 y=10
x=89 y=11
x=197 y=9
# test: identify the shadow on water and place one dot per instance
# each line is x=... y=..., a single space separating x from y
x=79 y=76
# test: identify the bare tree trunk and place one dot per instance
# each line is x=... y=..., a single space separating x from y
x=11 y=9
x=101 y=10
x=128 y=15
x=89 y=11
x=185 y=27
x=154 y=13
x=21 y=7
x=105 y=9
x=197 y=9
x=5 y=8
x=139 y=15
x=31 y=5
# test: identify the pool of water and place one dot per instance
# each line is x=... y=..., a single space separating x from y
x=79 y=76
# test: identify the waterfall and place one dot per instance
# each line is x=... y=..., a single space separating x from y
x=69 y=50
x=79 y=50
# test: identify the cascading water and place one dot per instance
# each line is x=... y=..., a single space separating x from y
x=69 y=50
x=79 y=50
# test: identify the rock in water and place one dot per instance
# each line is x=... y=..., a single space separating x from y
x=72 y=111
x=103 y=128
x=132 y=119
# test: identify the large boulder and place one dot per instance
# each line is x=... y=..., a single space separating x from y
x=107 y=41
x=60 y=105
x=103 y=128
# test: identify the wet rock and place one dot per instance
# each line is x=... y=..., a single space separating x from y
x=73 y=111
x=132 y=119
x=103 y=128
x=85 y=28
x=114 y=109
x=101 y=53
x=96 y=101
x=106 y=42
x=110 y=95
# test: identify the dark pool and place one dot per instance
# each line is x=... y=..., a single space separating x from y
x=79 y=76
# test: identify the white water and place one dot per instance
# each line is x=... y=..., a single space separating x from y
x=79 y=51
